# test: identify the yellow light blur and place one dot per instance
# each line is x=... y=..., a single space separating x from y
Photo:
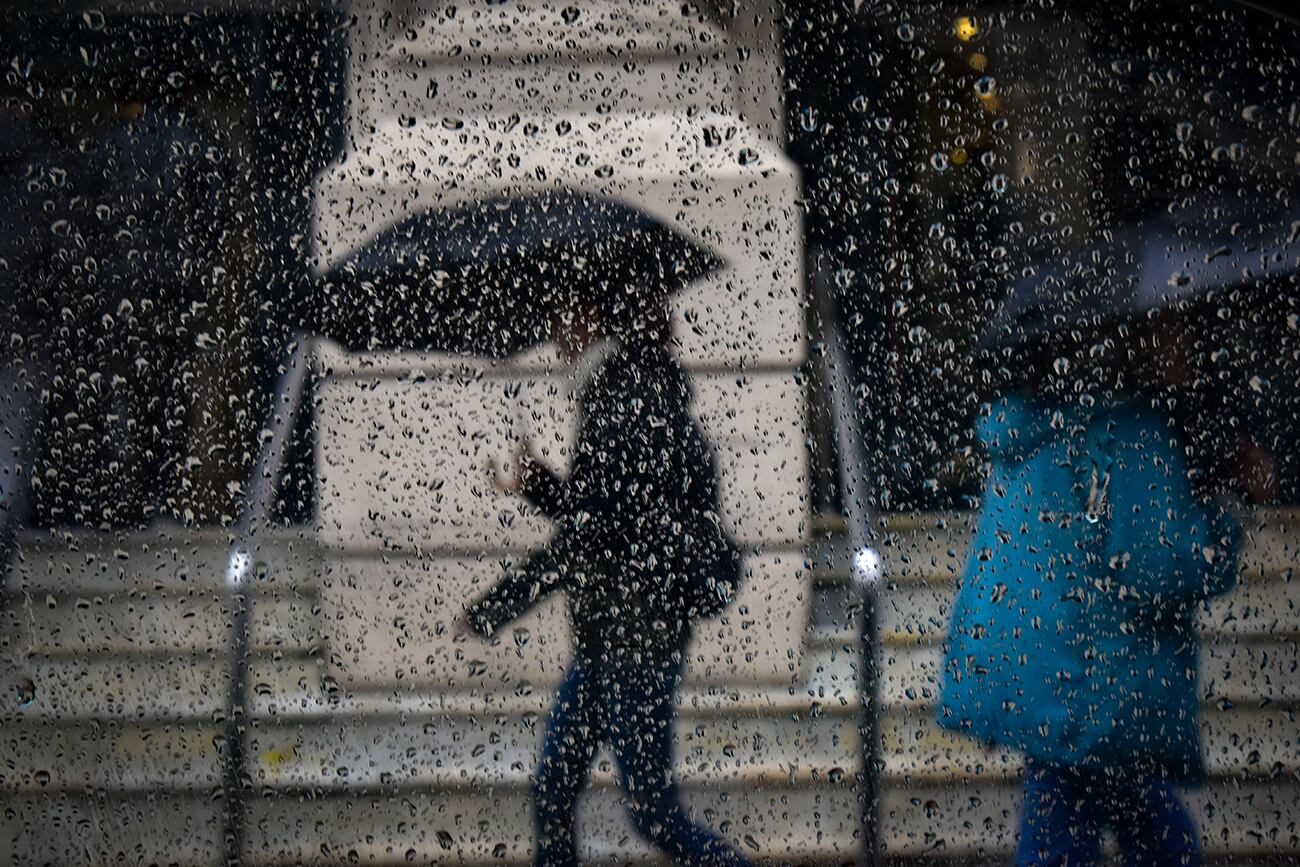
x=965 y=28
x=958 y=156
x=978 y=62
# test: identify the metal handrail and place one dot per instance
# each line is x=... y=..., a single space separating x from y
x=866 y=565
x=19 y=417
x=255 y=513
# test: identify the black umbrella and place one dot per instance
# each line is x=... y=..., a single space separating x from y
x=483 y=278
x=1169 y=261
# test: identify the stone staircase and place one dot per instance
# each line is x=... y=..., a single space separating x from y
x=114 y=697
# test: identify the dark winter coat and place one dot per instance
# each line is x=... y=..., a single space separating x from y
x=640 y=550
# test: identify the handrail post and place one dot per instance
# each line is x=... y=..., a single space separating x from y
x=255 y=512
x=18 y=419
x=865 y=566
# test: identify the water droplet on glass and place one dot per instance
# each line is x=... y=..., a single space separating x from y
x=26 y=691
x=808 y=118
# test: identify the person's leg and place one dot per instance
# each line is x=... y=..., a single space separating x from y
x=1153 y=828
x=1059 y=822
x=641 y=733
x=573 y=731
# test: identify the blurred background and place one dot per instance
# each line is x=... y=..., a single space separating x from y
x=194 y=201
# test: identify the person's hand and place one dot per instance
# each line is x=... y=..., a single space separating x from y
x=526 y=461
x=522 y=464
x=504 y=482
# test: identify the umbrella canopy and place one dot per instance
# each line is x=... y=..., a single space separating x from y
x=1169 y=261
x=484 y=278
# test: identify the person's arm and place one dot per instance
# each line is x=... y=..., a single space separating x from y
x=541 y=486
x=1164 y=549
x=595 y=500
x=517 y=591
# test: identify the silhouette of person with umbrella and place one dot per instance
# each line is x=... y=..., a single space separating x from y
x=1100 y=535
x=640 y=553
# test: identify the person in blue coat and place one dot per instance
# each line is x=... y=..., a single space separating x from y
x=1073 y=635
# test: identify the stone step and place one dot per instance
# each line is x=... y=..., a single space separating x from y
x=931 y=547
x=1261 y=605
x=459 y=752
x=163 y=687
x=183 y=560
x=172 y=686
x=155 y=622
x=68 y=623
x=88 y=562
x=1254 y=820
x=1256 y=670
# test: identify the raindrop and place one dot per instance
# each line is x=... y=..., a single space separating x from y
x=26 y=691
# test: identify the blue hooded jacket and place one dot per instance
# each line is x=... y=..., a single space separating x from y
x=1073 y=632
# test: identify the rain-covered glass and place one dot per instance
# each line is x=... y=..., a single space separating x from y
x=516 y=431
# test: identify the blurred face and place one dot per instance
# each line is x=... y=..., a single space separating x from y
x=575 y=329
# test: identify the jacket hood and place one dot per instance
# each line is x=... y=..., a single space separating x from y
x=1013 y=427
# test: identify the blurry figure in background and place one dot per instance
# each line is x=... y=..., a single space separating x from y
x=135 y=231
x=1073 y=635
x=25 y=148
x=640 y=552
